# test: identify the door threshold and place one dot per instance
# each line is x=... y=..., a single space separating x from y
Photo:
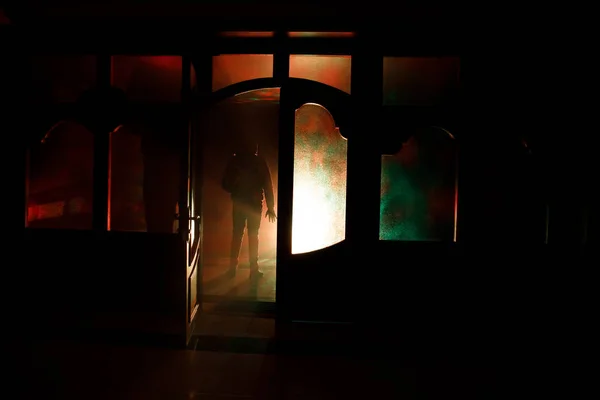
x=240 y=308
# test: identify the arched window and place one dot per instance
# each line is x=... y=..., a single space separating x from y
x=145 y=162
x=320 y=165
x=126 y=208
x=419 y=189
x=144 y=175
x=60 y=185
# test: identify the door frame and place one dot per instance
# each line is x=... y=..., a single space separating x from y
x=202 y=102
x=294 y=92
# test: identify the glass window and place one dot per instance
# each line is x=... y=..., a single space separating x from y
x=420 y=81
x=145 y=172
x=240 y=148
x=330 y=70
x=61 y=79
x=148 y=78
x=229 y=69
x=319 y=199
x=145 y=168
x=419 y=189
x=60 y=179
x=126 y=180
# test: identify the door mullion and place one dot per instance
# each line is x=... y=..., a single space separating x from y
x=281 y=68
x=100 y=201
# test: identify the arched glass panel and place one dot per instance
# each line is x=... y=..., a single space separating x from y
x=60 y=183
x=320 y=163
x=144 y=175
x=419 y=189
x=126 y=180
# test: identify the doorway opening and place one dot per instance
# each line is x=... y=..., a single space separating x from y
x=237 y=195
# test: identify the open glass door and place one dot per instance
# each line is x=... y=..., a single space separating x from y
x=239 y=153
x=190 y=225
x=315 y=279
x=190 y=221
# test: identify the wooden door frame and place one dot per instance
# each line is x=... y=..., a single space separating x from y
x=290 y=99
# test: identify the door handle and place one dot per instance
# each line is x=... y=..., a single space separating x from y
x=196 y=218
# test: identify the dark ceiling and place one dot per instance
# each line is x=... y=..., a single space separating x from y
x=331 y=10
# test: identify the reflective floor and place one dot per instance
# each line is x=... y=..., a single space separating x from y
x=67 y=370
x=222 y=369
x=216 y=282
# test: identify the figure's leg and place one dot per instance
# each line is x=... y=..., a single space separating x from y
x=239 y=223
x=254 y=217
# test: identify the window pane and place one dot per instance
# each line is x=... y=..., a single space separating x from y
x=320 y=162
x=62 y=79
x=230 y=69
x=145 y=173
x=330 y=70
x=418 y=189
x=420 y=81
x=148 y=78
x=61 y=179
x=126 y=174
x=236 y=191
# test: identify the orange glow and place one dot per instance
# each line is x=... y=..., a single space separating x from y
x=331 y=70
x=60 y=179
x=44 y=211
x=252 y=114
x=246 y=34
x=321 y=34
x=148 y=78
x=229 y=69
x=319 y=199
x=267 y=94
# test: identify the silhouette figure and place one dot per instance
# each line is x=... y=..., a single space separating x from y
x=248 y=179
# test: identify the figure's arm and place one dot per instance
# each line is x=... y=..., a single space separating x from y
x=230 y=176
x=268 y=187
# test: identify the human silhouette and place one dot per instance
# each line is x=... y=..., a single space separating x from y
x=248 y=179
